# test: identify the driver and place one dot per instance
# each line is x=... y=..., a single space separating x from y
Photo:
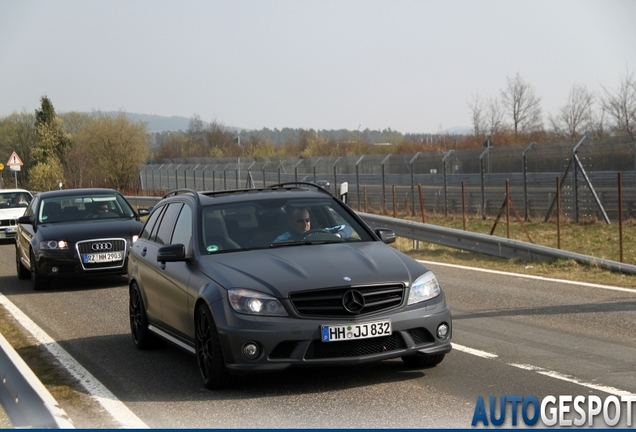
x=299 y=224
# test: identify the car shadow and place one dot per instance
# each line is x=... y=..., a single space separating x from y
x=171 y=374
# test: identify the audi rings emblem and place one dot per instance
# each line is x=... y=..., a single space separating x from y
x=353 y=301
x=102 y=246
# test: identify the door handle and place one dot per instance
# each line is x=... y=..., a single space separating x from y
x=144 y=251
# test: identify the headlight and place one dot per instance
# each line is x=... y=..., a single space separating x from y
x=53 y=245
x=134 y=238
x=424 y=288
x=255 y=303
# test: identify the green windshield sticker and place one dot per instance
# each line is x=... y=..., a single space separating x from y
x=212 y=248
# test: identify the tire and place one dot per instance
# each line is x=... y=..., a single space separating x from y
x=209 y=352
x=37 y=281
x=23 y=272
x=142 y=337
x=423 y=361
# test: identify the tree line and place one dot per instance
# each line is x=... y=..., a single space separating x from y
x=100 y=150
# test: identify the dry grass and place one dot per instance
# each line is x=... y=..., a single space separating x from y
x=590 y=237
x=83 y=411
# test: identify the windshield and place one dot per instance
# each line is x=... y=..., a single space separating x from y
x=14 y=199
x=84 y=207
x=278 y=223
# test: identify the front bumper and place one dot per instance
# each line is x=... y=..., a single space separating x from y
x=66 y=264
x=296 y=342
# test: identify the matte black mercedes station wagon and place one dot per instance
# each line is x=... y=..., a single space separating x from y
x=286 y=276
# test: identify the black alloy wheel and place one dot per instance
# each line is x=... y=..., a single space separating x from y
x=209 y=352
x=142 y=337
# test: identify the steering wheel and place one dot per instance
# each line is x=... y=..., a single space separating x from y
x=314 y=231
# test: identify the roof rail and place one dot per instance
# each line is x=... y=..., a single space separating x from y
x=184 y=191
x=286 y=185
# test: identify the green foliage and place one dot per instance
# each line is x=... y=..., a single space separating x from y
x=107 y=152
x=46 y=175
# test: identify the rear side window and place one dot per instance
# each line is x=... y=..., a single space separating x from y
x=164 y=233
x=183 y=228
x=150 y=223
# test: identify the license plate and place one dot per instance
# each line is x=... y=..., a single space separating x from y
x=102 y=257
x=333 y=333
x=11 y=229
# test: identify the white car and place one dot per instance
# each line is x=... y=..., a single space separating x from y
x=13 y=203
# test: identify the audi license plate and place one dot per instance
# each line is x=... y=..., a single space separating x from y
x=102 y=257
x=333 y=333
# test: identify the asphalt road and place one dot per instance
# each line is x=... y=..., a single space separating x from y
x=531 y=337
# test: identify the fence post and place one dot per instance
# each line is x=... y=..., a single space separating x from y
x=620 y=217
x=358 y=181
x=263 y=171
x=524 y=167
x=314 y=168
x=448 y=153
x=483 y=188
x=335 y=180
x=413 y=184
x=383 y=202
x=558 y=205
x=296 y=170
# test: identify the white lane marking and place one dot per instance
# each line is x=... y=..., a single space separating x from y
x=560 y=376
x=552 y=374
x=587 y=284
x=96 y=389
x=474 y=352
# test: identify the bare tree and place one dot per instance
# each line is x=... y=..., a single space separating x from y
x=575 y=117
x=523 y=106
x=495 y=117
x=480 y=123
x=620 y=105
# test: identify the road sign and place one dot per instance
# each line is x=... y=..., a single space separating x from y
x=14 y=160
x=1 y=167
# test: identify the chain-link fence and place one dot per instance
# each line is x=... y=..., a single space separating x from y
x=380 y=182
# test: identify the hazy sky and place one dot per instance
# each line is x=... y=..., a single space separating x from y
x=411 y=66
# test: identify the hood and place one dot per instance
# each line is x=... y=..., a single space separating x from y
x=280 y=271
x=75 y=231
x=11 y=213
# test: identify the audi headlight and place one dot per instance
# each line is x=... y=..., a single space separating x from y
x=255 y=303
x=424 y=288
x=53 y=245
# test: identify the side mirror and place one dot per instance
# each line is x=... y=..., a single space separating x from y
x=143 y=212
x=386 y=235
x=171 y=253
x=25 y=220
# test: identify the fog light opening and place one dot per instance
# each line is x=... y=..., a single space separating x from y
x=442 y=331
x=54 y=269
x=250 y=350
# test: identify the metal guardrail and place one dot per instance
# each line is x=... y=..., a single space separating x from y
x=465 y=240
x=486 y=244
x=26 y=401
